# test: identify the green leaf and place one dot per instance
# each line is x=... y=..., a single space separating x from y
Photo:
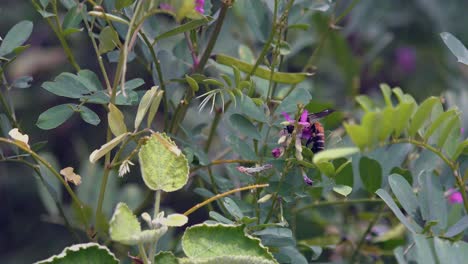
x=154 y=107
x=432 y=200
x=227 y=259
x=387 y=121
x=403 y=113
x=456 y=47
x=116 y=121
x=90 y=80
x=108 y=39
x=175 y=220
x=124 y=225
x=279 y=77
x=194 y=24
x=458 y=227
x=67 y=85
x=246 y=54
x=250 y=109
x=70 y=31
x=404 y=193
x=83 y=253
x=132 y=84
x=414 y=228
x=209 y=241
x=163 y=166
x=15 y=37
x=438 y=122
x=89 y=116
x=358 y=135
x=460 y=149
x=370 y=172
x=145 y=104
x=244 y=126
x=326 y=168
x=73 y=17
x=241 y=147
x=22 y=82
x=404 y=173
x=365 y=102
x=232 y=208
x=165 y=257
x=104 y=149
x=120 y=4
x=422 y=114
x=453 y=123
x=423 y=248
x=344 y=174
x=387 y=93
x=192 y=83
x=342 y=189
x=331 y=154
x=297 y=96
x=276 y=237
x=55 y=116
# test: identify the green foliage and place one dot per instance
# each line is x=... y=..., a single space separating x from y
x=16 y=37
x=83 y=253
x=163 y=166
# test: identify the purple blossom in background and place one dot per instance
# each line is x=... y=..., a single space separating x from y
x=454 y=197
x=277 y=152
x=199 y=4
x=166 y=7
x=406 y=59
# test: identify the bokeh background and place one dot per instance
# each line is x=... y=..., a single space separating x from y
x=391 y=41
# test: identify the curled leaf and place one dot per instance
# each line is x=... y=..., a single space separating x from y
x=99 y=153
x=18 y=137
x=71 y=176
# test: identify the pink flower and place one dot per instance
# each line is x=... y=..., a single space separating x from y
x=454 y=197
x=307 y=180
x=277 y=152
x=199 y=4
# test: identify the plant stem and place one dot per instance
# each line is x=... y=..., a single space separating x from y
x=369 y=228
x=214 y=125
x=38 y=158
x=142 y=251
x=214 y=36
x=339 y=202
x=157 y=203
x=221 y=195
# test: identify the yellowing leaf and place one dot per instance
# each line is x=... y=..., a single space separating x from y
x=144 y=105
x=71 y=176
x=99 y=153
x=174 y=220
x=18 y=137
x=116 y=121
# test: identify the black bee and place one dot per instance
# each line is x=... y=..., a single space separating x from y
x=315 y=133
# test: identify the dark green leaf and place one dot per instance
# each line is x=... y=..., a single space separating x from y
x=90 y=80
x=132 y=84
x=108 y=39
x=250 y=109
x=54 y=116
x=392 y=205
x=192 y=83
x=460 y=149
x=303 y=27
x=70 y=31
x=370 y=172
x=403 y=172
x=242 y=148
x=89 y=116
x=83 y=253
x=244 y=126
x=73 y=17
x=67 y=85
x=218 y=217
x=165 y=257
x=276 y=237
x=15 y=37
x=233 y=208
x=344 y=174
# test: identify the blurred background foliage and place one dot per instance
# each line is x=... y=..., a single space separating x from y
x=394 y=42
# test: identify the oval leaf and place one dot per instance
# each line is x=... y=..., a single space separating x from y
x=83 y=253
x=244 y=126
x=89 y=116
x=370 y=172
x=331 y=154
x=15 y=37
x=116 y=121
x=54 y=116
x=163 y=166
x=221 y=240
x=144 y=105
x=124 y=225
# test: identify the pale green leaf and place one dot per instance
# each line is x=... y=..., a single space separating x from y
x=456 y=47
x=209 y=241
x=154 y=107
x=227 y=259
x=104 y=149
x=145 y=104
x=83 y=253
x=244 y=126
x=116 y=121
x=342 y=189
x=331 y=154
x=163 y=166
x=124 y=225
x=404 y=193
x=422 y=114
x=387 y=93
x=108 y=39
x=175 y=220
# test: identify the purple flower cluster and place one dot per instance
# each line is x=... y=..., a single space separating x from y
x=199 y=6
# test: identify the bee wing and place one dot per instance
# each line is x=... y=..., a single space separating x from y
x=321 y=114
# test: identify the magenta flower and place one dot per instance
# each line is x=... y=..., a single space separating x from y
x=277 y=152
x=199 y=6
x=406 y=59
x=454 y=197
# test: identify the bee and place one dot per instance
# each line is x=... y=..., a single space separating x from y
x=315 y=133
